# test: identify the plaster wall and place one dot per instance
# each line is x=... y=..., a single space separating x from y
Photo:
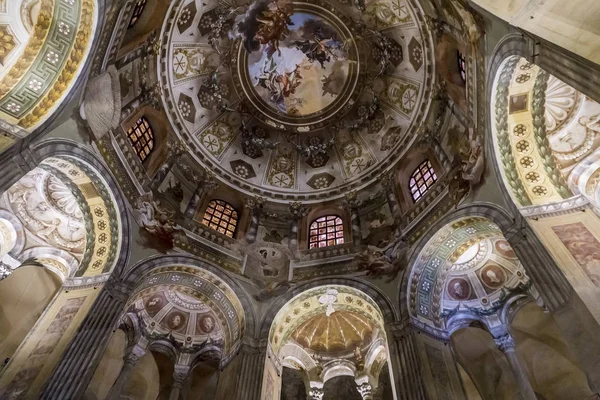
x=575 y=255
x=42 y=349
x=574 y=27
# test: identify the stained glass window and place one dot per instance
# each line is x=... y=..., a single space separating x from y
x=462 y=65
x=141 y=138
x=138 y=9
x=221 y=216
x=422 y=179
x=326 y=231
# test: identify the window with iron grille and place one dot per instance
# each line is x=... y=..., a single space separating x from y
x=141 y=138
x=326 y=231
x=221 y=216
x=462 y=65
x=422 y=179
x=138 y=9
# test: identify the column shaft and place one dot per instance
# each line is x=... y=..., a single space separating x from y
x=507 y=345
x=79 y=361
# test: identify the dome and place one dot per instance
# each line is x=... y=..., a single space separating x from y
x=308 y=101
x=340 y=331
x=169 y=309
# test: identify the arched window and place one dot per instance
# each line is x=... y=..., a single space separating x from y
x=326 y=231
x=462 y=65
x=221 y=217
x=141 y=138
x=422 y=179
x=138 y=9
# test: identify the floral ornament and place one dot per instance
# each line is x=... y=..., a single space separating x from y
x=185 y=109
x=540 y=190
x=213 y=94
x=520 y=130
x=64 y=28
x=7 y=43
x=522 y=78
x=13 y=107
x=533 y=177
x=522 y=146
x=34 y=85
x=186 y=15
x=526 y=162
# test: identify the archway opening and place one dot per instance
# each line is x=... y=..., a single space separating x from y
x=546 y=140
x=324 y=340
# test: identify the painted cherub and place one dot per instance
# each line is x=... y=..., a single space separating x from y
x=273 y=26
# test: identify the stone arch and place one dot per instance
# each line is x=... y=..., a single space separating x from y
x=139 y=270
x=59 y=148
x=466 y=267
x=390 y=314
x=294 y=314
x=499 y=216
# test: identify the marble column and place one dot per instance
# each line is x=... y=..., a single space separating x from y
x=180 y=377
x=251 y=373
x=405 y=362
x=506 y=344
x=79 y=361
x=297 y=212
x=547 y=276
x=130 y=360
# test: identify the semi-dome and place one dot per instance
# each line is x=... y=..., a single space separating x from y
x=341 y=331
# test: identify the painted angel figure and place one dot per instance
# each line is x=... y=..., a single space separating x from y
x=319 y=48
x=273 y=26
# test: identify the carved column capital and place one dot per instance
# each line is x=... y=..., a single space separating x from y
x=366 y=390
x=131 y=359
x=254 y=203
x=5 y=271
x=315 y=394
x=505 y=343
x=179 y=378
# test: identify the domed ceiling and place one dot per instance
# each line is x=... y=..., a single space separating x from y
x=340 y=331
x=296 y=100
x=192 y=305
x=326 y=319
x=468 y=264
x=170 y=309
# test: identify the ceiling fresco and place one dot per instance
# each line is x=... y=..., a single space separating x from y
x=65 y=204
x=328 y=318
x=467 y=265
x=192 y=305
x=294 y=100
x=170 y=309
x=340 y=331
x=544 y=129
